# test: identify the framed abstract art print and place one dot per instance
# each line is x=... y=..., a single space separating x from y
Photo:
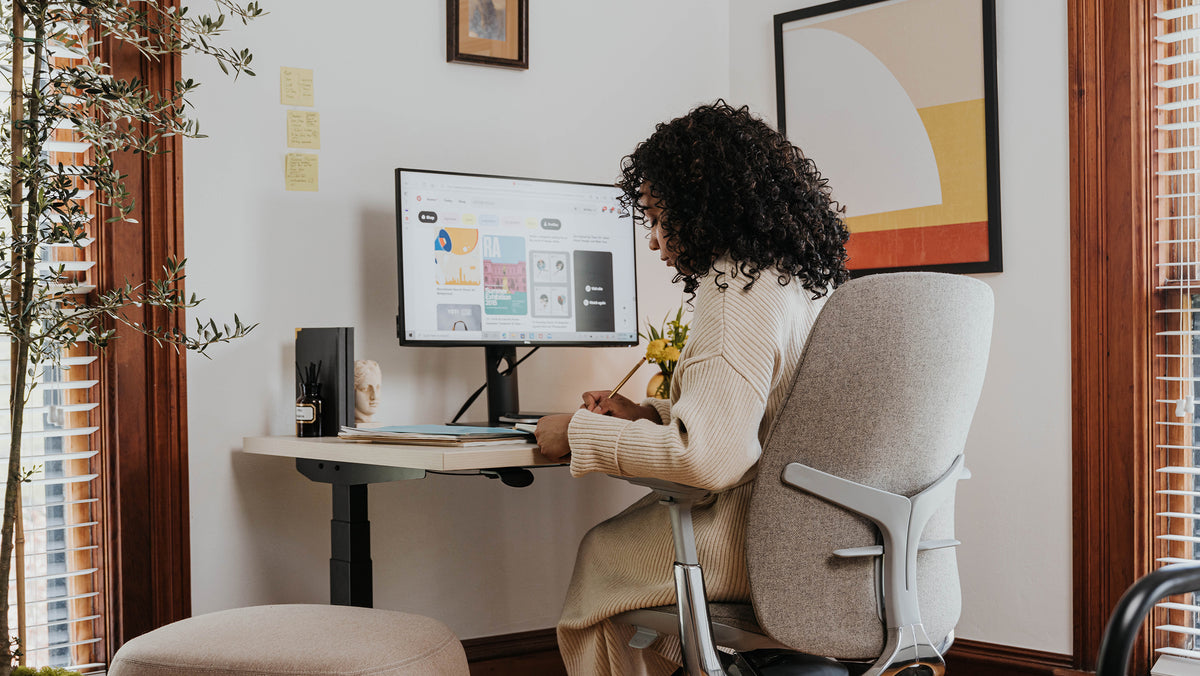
x=895 y=102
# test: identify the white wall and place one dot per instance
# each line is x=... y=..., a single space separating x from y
x=1014 y=516
x=485 y=558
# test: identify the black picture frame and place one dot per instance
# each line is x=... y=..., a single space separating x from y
x=994 y=261
x=461 y=47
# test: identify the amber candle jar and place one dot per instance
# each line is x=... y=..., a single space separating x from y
x=308 y=410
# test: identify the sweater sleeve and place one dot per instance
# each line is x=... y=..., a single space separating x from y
x=662 y=406
x=709 y=441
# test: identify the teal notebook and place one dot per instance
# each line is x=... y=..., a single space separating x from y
x=460 y=432
x=450 y=430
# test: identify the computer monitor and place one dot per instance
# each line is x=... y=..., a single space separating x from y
x=502 y=261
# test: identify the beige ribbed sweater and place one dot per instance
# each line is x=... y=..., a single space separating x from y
x=742 y=351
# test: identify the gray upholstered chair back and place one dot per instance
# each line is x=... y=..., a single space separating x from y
x=883 y=396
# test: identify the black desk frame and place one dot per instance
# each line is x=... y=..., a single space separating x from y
x=350 y=573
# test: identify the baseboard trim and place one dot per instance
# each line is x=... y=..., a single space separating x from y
x=976 y=658
x=989 y=659
x=511 y=645
x=521 y=654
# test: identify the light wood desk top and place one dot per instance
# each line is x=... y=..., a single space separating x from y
x=438 y=458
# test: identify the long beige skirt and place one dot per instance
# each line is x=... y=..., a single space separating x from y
x=625 y=563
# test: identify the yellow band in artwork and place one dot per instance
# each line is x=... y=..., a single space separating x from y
x=957 y=132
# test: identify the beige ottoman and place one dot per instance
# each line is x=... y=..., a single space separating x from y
x=295 y=639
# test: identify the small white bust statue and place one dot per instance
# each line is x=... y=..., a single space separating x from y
x=367 y=379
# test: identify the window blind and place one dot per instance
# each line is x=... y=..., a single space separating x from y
x=1176 y=176
x=60 y=508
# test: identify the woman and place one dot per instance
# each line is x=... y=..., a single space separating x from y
x=748 y=225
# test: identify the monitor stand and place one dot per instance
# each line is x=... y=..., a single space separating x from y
x=502 y=398
x=502 y=401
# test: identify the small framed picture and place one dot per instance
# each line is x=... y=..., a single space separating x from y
x=488 y=32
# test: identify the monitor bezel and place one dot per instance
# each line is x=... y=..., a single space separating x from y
x=407 y=342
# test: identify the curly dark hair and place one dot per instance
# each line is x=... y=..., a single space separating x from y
x=730 y=185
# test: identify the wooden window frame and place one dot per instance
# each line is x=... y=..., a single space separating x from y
x=143 y=403
x=1112 y=279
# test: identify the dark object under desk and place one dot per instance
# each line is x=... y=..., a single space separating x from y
x=350 y=467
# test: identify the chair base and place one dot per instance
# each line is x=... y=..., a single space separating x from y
x=788 y=663
x=734 y=627
x=791 y=663
x=779 y=663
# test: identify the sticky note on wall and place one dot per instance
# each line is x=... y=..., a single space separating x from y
x=300 y=172
x=296 y=86
x=304 y=129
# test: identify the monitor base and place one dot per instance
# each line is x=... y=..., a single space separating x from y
x=530 y=417
x=510 y=419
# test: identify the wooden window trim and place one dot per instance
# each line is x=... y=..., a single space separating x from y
x=147 y=578
x=1111 y=322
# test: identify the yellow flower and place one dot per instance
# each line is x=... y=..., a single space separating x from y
x=671 y=353
x=654 y=351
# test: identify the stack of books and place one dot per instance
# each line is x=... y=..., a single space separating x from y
x=436 y=435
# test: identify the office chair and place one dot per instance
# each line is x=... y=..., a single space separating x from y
x=850 y=533
x=1132 y=609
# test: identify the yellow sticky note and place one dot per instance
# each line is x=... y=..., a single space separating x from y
x=304 y=129
x=300 y=172
x=296 y=86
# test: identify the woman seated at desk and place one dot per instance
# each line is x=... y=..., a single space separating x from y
x=748 y=224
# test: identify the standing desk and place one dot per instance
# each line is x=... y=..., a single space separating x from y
x=351 y=466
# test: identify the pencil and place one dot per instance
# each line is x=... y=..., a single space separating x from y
x=628 y=376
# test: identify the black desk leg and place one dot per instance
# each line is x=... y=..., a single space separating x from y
x=350 y=530
x=350 y=547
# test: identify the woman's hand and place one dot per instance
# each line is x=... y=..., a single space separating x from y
x=598 y=401
x=551 y=435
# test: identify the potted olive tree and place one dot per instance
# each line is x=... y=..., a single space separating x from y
x=42 y=311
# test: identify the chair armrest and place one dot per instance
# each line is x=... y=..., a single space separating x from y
x=900 y=519
x=877 y=550
x=679 y=499
x=667 y=489
x=695 y=630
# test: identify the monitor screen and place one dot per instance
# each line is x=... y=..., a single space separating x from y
x=495 y=260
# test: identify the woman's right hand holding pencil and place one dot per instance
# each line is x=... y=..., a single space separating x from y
x=618 y=406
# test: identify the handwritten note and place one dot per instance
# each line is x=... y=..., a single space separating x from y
x=300 y=172
x=296 y=86
x=304 y=129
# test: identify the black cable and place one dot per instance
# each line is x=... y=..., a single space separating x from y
x=470 y=400
x=508 y=371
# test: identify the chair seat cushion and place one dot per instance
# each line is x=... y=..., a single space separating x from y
x=295 y=639
x=737 y=615
x=733 y=625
